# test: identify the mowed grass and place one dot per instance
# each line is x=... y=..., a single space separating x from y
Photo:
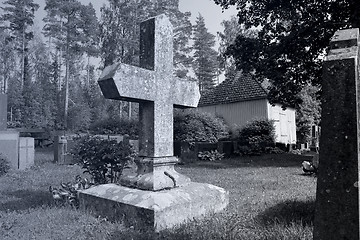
x=269 y=199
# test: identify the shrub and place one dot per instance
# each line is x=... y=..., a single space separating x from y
x=274 y=150
x=192 y=126
x=4 y=165
x=211 y=156
x=104 y=160
x=256 y=137
x=68 y=193
x=115 y=126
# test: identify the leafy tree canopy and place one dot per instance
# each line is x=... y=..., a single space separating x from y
x=292 y=39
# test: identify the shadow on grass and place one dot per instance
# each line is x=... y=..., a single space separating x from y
x=267 y=160
x=288 y=212
x=25 y=199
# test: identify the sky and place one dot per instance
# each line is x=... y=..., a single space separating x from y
x=211 y=12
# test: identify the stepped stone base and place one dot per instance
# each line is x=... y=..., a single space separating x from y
x=155 y=210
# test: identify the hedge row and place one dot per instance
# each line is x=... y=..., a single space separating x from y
x=256 y=137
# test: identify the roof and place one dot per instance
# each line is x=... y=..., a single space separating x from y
x=240 y=88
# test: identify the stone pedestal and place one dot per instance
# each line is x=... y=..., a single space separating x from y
x=26 y=152
x=9 y=147
x=19 y=151
x=337 y=193
x=154 y=210
x=155 y=174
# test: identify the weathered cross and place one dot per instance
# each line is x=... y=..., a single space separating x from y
x=157 y=91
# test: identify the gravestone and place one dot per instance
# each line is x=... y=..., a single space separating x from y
x=156 y=196
x=337 y=195
x=19 y=151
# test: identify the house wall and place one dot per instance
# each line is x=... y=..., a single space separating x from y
x=284 y=121
x=238 y=114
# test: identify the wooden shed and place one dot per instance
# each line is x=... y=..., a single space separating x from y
x=243 y=99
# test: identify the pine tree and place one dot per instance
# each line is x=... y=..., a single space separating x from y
x=20 y=16
x=205 y=57
x=73 y=28
x=44 y=84
x=91 y=33
x=7 y=59
x=17 y=19
x=120 y=30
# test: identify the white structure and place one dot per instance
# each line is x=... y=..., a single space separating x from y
x=243 y=99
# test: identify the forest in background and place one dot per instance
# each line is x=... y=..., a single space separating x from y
x=50 y=77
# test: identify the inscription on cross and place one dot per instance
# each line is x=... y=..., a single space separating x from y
x=158 y=92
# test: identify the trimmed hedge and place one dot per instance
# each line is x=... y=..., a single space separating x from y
x=116 y=126
x=193 y=126
x=256 y=137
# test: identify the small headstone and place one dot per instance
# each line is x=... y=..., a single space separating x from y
x=337 y=195
x=26 y=152
x=156 y=196
x=9 y=147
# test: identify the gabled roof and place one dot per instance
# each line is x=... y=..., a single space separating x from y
x=240 y=88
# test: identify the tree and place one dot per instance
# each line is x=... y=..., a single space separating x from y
x=20 y=16
x=293 y=36
x=232 y=28
x=7 y=59
x=120 y=30
x=44 y=93
x=205 y=57
x=17 y=19
x=308 y=112
x=91 y=33
x=73 y=27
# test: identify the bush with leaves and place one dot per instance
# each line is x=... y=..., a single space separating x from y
x=256 y=137
x=116 y=126
x=211 y=156
x=4 y=165
x=104 y=160
x=193 y=126
x=68 y=193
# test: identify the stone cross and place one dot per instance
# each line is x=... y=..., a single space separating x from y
x=337 y=195
x=153 y=86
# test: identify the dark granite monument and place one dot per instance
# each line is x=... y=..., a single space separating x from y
x=156 y=196
x=337 y=195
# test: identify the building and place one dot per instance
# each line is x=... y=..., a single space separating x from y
x=243 y=99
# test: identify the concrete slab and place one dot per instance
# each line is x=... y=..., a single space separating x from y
x=9 y=147
x=155 y=210
x=26 y=152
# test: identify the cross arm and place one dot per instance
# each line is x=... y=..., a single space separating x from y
x=122 y=82
x=185 y=93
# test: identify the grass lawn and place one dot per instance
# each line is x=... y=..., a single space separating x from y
x=269 y=199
